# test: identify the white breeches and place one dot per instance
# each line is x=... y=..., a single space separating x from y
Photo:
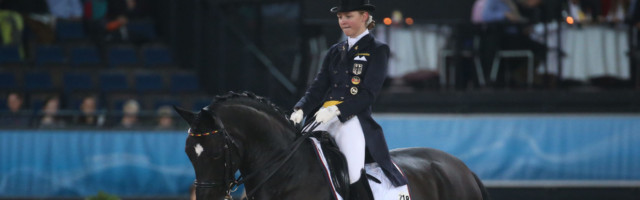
x=350 y=139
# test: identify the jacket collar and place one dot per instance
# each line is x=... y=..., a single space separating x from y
x=352 y=41
x=363 y=43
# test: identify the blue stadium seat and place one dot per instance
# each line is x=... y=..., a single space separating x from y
x=123 y=55
x=38 y=81
x=8 y=81
x=69 y=30
x=36 y=104
x=118 y=104
x=157 y=56
x=112 y=82
x=3 y=104
x=165 y=102
x=10 y=54
x=76 y=81
x=85 y=56
x=50 y=54
x=149 y=82
x=144 y=29
x=74 y=102
x=184 y=82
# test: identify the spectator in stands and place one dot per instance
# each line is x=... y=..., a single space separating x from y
x=490 y=11
x=14 y=102
x=476 y=12
x=15 y=117
x=50 y=116
x=577 y=10
x=37 y=18
x=612 y=11
x=12 y=25
x=66 y=9
x=165 y=118
x=501 y=10
x=89 y=115
x=105 y=19
x=509 y=29
x=130 y=111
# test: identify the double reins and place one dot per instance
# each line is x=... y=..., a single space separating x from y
x=296 y=144
x=232 y=183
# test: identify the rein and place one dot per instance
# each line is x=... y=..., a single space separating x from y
x=296 y=144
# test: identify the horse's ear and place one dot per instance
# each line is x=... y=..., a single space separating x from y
x=185 y=114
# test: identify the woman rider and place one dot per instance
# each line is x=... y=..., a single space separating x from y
x=344 y=90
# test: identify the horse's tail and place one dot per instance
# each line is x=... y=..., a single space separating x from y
x=483 y=190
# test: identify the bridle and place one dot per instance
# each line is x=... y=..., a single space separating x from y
x=229 y=165
x=229 y=172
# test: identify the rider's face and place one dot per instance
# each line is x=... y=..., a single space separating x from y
x=352 y=23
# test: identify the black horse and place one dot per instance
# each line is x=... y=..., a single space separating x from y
x=241 y=131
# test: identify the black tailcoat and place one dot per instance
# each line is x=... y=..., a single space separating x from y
x=355 y=76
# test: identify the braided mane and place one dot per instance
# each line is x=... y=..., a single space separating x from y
x=253 y=100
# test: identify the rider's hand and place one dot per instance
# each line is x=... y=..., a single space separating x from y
x=296 y=116
x=325 y=114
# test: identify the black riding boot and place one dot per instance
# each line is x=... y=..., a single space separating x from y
x=360 y=190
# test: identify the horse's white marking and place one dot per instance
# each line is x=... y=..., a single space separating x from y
x=198 y=149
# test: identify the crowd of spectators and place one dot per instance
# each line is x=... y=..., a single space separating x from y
x=104 y=20
x=28 y=24
x=581 y=11
x=86 y=115
x=509 y=24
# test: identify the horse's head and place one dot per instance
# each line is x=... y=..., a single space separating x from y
x=212 y=152
x=256 y=132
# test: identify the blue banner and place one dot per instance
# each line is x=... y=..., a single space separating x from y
x=153 y=163
x=81 y=163
x=528 y=147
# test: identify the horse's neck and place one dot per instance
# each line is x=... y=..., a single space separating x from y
x=266 y=142
x=300 y=177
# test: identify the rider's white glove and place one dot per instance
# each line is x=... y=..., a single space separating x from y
x=296 y=116
x=325 y=114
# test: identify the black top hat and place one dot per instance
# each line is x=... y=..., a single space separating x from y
x=351 y=5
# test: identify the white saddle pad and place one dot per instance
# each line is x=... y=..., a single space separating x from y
x=381 y=191
x=385 y=189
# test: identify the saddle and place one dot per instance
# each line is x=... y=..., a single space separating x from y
x=376 y=184
x=336 y=161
